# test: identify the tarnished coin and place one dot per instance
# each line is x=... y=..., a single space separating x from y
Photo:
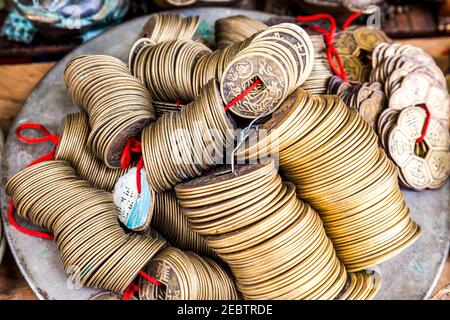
x=109 y=296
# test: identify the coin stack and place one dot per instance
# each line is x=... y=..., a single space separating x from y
x=233 y=29
x=317 y=81
x=174 y=226
x=182 y=145
x=166 y=27
x=72 y=147
x=250 y=216
x=186 y=276
x=281 y=57
x=84 y=222
x=342 y=174
x=368 y=98
x=119 y=106
x=362 y=285
x=411 y=77
x=424 y=164
x=355 y=46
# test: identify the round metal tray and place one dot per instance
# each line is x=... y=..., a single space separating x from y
x=410 y=275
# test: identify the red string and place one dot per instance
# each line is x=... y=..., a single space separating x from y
x=425 y=125
x=149 y=278
x=48 y=137
x=179 y=102
x=139 y=167
x=242 y=94
x=133 y=146
x=350 y=20
x=130 y=291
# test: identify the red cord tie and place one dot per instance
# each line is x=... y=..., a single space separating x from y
x=133 y=288
x=48 y=137
x=425 y=125
x=329 y=35
x=133 y=146
x=242 y=94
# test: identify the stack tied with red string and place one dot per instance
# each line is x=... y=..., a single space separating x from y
x=274 y=244
x=182 y=145
x=342 y=173
x=186 y=276
x=417 y=140
x=119 y=106
x=84 y=223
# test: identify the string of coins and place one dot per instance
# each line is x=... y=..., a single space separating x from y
x=174 y=226
x=233 y=29
x=84 y=223
x=355 y=46
x=186 y=276
x=72 y=147
x=411 y=77
x=166 y=27
x=368 y=98
x=251 y=216
x=424 y=164
x=169 y=157
x=362 y=285
x=119 y=106
x=342 y=174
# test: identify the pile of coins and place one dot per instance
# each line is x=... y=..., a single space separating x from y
x=411 y=77
x=233 y=29
x=174 y=226
x=72 y=147
x=166 y=27
x=317 y=81
x=362 y=285
x=355 y=46
x=186 y=276
x=342 y=174
x=182 y=145
x=281 y=57
x=421 y=165
x=367 y=98
x=250 y=216
x=84 y=222
x=119 y=106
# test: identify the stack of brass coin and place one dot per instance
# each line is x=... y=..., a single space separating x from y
x=424 y=164
x=355 y=46
x=362 y=285
x=72 y=147
x=281 y=57
x=321 y=72
x=167 y=68
x=250 y=216
x=367 y=98
x=411 y=77
x=182 y=145
x=165 y=107
x=119 y=106
x=233 y=29
x=186 y=276
x=84 y=222
x=174 y=226
x=166 y=27
x=342 y=173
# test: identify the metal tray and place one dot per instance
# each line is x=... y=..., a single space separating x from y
x=411 y=275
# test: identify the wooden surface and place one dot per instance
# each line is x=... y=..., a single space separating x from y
x=16 y=82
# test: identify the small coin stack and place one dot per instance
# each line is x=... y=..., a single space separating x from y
x=424 y=164
x=84 y=222
x=355 y=46
x=367 y=98
x=174 y=226
x=250 y=216
x=186 y=276
x=119 y=106
x=72 y=147
x=182 y=145
x=166 y=27
x=233 y=29
x=362 y=285
x=281 y=57
x=317 y=81
x=411 y=77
